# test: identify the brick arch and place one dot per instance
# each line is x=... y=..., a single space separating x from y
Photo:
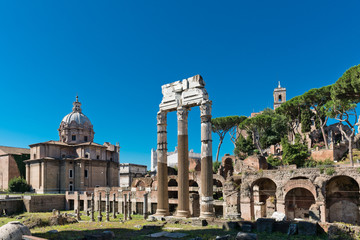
x=300 y=183
x=256 y=181
x=219 y=178
x=138 y=182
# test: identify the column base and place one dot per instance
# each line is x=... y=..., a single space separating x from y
x=183 y=213
x=161 y=213
x=207 y=215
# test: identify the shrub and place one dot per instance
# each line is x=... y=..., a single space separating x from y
x=274 y=161
x=18 y=184
x=295 y=153
x=329 y=171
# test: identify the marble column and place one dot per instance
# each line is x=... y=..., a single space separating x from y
x=92 y=207
x=78 y=207
x=145 y=205
x=125 y=207
x=183 y=164
x=114 y=204
x=99 y=208
x=130 y=206
x=206 y=200
x=107 y=205
x=162 y=172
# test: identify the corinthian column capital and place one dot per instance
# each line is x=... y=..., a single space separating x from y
x=205 y=108
x=182 y=113
x=161 y=118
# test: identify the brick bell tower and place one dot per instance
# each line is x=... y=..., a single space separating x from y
x=279 y=96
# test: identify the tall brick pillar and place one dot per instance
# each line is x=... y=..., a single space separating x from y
x=162 y=172
x=206 y=200
x=183 y=163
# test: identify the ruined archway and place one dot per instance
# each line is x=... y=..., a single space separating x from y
x=228 y=167
x=298 y=202
x=342 y=200
x=180 y=96
x=263 y=198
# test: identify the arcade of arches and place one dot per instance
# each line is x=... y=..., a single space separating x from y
x=299 y=193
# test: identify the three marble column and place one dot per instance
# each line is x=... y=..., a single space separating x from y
x=183 y=163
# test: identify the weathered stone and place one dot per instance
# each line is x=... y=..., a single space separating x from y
x=265 y=225
x=230 y=225
x=278 y=216
x=13 y=231
x=282 y=227
x=246 y=236
x=246 y=227
x=199 y=222
x=339 y=231
x=152 y=227
x=307 y=228
x=226 y=237
x=151 y=219
x=292 y=229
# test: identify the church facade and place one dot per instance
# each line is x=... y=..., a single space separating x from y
x=75 y=162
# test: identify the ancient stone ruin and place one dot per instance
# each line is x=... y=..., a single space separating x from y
x=181 y=96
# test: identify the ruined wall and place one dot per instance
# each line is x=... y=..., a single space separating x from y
x=44 y=203
x=323 y=154
x=11 y=206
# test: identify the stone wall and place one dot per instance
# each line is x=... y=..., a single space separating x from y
x=323 y=154
x=44 y=203
x=11 y=206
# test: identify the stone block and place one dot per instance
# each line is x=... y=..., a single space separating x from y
x=199 y=222
x=246 y=226
x=226 y=237
x=230 y=225
x=278 y=216
x=307 y=228
x=152 y=227
x=14 y=230
x=292 y=229
x=282 y=227
x=246 y=236
x=265 y=225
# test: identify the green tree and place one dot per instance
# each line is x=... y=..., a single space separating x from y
x=345 y=94
x=223 y=125
x=295 y=153
x=274 y=161
x=317 y=98
x=266 y=129
x=244 y=147
x=234 y=132
x=347 y=87
x=18 y=184
x=292 y=111
x=216 y=166
x=345 y=112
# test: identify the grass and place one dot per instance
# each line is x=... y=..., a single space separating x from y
x=131 y=229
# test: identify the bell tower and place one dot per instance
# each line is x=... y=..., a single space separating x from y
x=279 y=96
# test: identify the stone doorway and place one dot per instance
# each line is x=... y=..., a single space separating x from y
x=263 y=198
x=342 y=200
x=297 y=203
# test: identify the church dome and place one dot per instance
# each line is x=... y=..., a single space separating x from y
x=76 y=127
x=78 y=117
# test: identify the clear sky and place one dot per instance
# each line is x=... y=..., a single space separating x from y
x=116 y=55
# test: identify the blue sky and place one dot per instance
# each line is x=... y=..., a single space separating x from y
x=116 y=55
